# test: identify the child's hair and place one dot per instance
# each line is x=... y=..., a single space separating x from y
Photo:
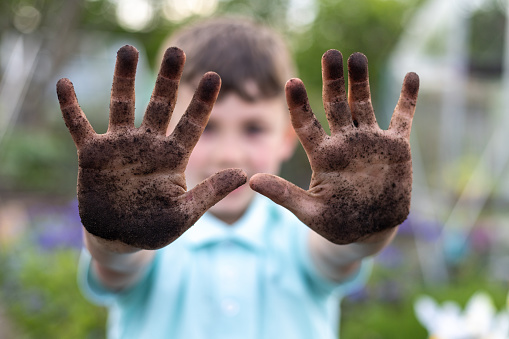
x=241 y=51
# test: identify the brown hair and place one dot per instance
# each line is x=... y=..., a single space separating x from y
x=241 y=51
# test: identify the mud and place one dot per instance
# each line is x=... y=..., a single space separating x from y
x=364 y=186
x=133 y=190
x=172 y=64
x=126 y=189
x=74 y=118
x=358 y=67
x=209 y=87
x=362 y=176
x=164 y=95
x=332 y=65
x=193 y=122
x=296 y=93
x=131 y=183
x=127 y=60
x=411 y=88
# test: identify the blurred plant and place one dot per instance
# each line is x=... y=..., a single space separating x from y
x=57 y=227
x=38 y=288
x=456 y=176
x=478 y=321
x=42 y=299
x=35 y=154
x=38 y=161
x=372 y=27
x=384 y=308
x=422 y=229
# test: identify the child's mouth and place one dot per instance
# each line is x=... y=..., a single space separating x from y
x=238 y=190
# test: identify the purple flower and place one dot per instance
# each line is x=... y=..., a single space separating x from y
x=390 y=257
x=481 y=239
x=359 y=295
x=424 y=229
x=57 y=226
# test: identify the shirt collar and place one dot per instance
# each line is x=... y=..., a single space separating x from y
x=248 y=230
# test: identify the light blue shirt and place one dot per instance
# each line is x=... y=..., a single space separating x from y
x=254 y=279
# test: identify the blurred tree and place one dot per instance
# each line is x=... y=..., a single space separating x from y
x=371 y=27
x=54 y=24
x=486 y=45
x=310 y=26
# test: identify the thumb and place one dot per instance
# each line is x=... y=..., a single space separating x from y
x=282 y=192
x=211 y=190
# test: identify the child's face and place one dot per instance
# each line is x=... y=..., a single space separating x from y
x=254 y=136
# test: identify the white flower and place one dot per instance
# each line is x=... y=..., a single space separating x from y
x=478 y=321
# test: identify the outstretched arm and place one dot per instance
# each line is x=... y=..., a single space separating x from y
x=362 y=176
x=131 y=186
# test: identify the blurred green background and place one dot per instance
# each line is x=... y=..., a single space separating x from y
x=455 y=240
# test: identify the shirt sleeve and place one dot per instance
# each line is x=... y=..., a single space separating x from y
x=354 y=283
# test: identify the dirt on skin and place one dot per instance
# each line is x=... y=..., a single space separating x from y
x=131 y=183
x=127 y=192
x=362 y=175
x=364 y=187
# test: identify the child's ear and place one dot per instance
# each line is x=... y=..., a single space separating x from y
x=289 y=142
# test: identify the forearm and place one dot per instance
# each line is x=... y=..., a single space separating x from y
x=116 y=265
x=338 y=262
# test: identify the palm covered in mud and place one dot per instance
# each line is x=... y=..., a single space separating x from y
x=131 y=183
x=362 y=175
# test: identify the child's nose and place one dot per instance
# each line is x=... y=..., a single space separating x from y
x=230 y=152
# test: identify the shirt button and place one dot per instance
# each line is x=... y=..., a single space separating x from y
x=230 y=307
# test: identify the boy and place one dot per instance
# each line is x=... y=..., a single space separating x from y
x=248 y=268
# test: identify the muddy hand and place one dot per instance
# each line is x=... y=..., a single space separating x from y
x=362 y=175
x=131 y=183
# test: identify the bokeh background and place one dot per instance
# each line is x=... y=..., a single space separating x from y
x=456 y=239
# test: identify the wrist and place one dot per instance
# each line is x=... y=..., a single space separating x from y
x=115 y=255
x=376 y=242
x=106 y=247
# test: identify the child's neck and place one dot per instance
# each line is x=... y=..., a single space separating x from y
x=229 y=219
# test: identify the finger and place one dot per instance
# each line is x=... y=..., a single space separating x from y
x=193 y=122
x=210 y=191
x=122 y=91
x=164 y=96
x=401 y=121
x=307 y=127
x=74 y=118
x=333 y=91
x=359 y=96
x=282 y=192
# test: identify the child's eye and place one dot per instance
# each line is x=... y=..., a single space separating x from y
x=254 y=129
x=211 y=127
